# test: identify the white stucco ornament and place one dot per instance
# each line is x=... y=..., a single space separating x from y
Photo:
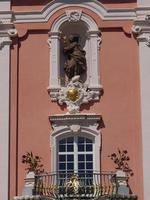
x=73 y=15
x=75 y=94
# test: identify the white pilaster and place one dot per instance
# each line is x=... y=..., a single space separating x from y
x=4 y=120
x=145 y=109
x=5 y=24
x=142 y=3
x=54 y=44
x=141 y=29
x=94 y=40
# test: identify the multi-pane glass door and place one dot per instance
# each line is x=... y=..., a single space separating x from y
x=75 y=156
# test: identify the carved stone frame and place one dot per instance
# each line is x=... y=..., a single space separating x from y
x=94 y=41
x=83 y=124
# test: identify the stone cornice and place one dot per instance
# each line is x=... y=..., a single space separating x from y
x=60 y=117
x=93 y=5
x=6 y=19
x=77 y=119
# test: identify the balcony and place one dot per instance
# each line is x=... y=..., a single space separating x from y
x=92 y=185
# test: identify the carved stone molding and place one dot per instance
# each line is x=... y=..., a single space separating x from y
x=7 y=28
x=93 y=5
x=12 y=32
x=136 y=29
x=4 y=41
x=74 y=95
x=144 y=38
x=73 y=15
x=77 y=122
x=6 y=35
x=141 y=28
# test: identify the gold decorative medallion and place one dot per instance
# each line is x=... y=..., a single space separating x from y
x=73 y=94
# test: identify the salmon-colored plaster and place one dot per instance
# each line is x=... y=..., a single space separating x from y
x=119 y=106
x=38 y=5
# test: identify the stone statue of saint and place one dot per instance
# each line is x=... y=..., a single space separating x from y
x=75 y=63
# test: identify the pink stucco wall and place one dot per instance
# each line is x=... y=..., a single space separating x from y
x=31 y=104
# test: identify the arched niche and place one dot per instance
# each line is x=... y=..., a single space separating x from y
x=79 y=31
x=77 y=23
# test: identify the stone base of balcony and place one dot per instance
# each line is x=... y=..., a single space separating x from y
x=111 y=197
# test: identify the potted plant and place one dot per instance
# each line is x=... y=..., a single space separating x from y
x=34 y=167
x=121 y=160
x=33 y=163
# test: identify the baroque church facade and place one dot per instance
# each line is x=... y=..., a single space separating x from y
x=74 y=105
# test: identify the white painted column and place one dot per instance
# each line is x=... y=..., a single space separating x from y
x=4 y=106
x=144 y=56
x=4 y=118
x=144 y=53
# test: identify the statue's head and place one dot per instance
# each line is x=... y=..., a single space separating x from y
x=71 y=38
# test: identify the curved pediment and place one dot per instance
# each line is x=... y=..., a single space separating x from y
x=55 y=5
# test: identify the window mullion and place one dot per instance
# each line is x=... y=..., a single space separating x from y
x=75 y=154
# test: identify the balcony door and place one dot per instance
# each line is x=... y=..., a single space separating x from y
x=75 y=155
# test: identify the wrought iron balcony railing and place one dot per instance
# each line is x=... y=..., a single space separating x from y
x=78 y=185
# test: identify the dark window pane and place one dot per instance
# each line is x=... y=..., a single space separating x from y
x=70 y=158
x=81 y=157
x=62 y=166
x=81 y=147
x=69 y=148
x=89 y=171
x=81 y=172
x=62 y=158
x=89 y=165
x=81 y=140
x=62 y=173
x=69 y=173
x=70 y=166
x=89 y=174
x=62 y=148
x=81 y=165
x=89 y=147
x=63 y=141
x=88 y=141
x=70 y=140
x=89 y=157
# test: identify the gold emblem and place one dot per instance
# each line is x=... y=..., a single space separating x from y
x=73 y=94
x=73 y=184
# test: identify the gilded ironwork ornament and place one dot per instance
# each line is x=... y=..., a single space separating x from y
x=73 y=184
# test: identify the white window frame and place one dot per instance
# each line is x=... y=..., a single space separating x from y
x=66 y=125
